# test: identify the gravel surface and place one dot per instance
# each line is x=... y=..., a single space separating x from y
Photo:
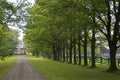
x=22 y=70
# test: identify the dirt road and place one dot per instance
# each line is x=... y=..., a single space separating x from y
x=22 y=70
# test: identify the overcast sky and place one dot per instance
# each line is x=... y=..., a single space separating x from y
x=31 y=1
x=13 y=27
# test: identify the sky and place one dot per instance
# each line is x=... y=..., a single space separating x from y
x=31 y=1
x=14 y=27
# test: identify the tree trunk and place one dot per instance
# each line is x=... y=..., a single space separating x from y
x=58 y=56
x=57 y=51
x=79 y=49
x=63 y=52
x=85 y=49
x=70 y=50
x=75 y=62
x=113 y=50
x=67 y=50
x=54 y=52
x=93 y=49
x=79 y=55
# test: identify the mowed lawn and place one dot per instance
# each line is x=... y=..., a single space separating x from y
x=54 y=70
x=6 y=65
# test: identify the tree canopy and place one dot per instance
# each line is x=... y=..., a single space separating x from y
x=8 y=37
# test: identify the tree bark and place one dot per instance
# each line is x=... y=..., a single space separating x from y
x=79 y=49
x=93 y=65
x=75 y=62
x=93 y=41
x=63 y=52
x=54 y=52
x=70 y=50
x=85 y=49
x=67 y=50
x=113 y=50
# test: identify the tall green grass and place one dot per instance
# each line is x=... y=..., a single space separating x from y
x=6 y=65
x=53 y=70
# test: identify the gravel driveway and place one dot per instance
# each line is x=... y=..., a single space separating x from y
x=22 y=70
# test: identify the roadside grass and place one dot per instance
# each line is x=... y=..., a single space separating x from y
x=6 y=65
x=54 y=70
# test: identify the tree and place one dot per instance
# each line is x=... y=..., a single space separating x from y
x=109 y=18
x=8 y=41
